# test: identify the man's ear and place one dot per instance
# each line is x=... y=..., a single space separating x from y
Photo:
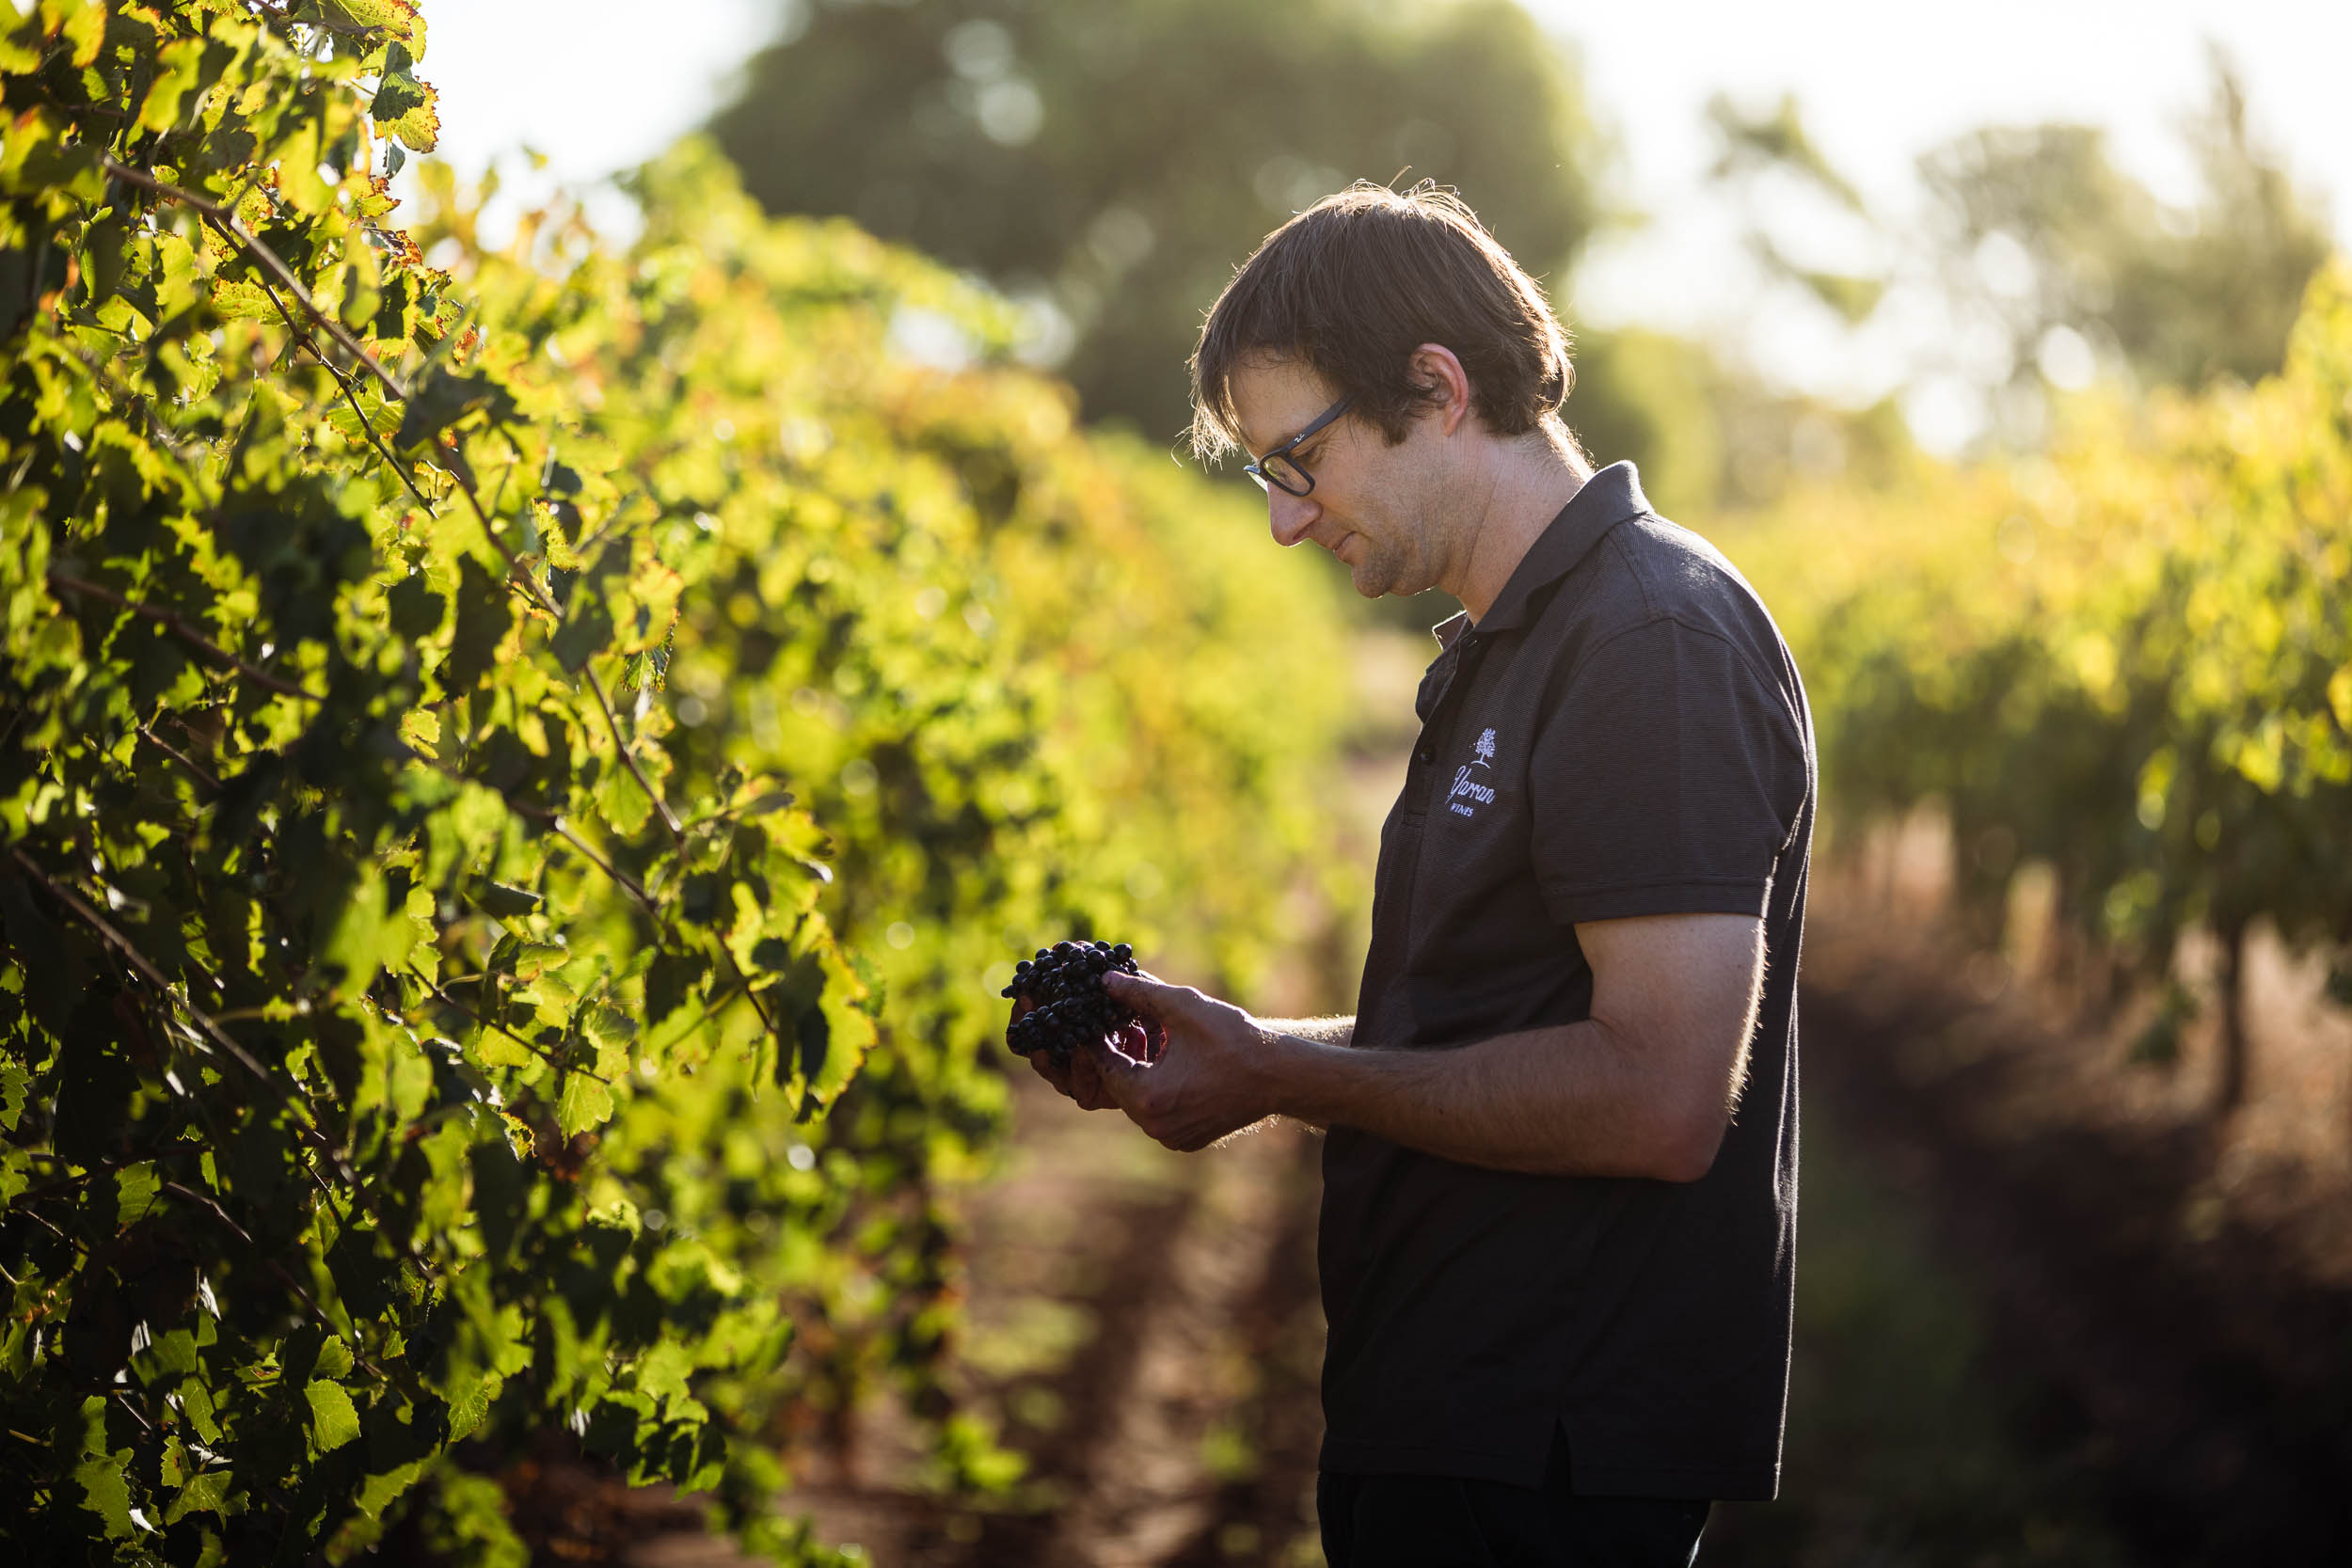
x=1439 y=369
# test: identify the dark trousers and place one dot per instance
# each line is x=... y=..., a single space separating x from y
x=1448 y=1522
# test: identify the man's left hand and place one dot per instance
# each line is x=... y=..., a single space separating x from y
x=1209 y=1079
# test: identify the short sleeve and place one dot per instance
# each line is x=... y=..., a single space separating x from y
x=1666 y=778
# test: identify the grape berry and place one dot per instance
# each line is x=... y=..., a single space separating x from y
x=1070 y=1007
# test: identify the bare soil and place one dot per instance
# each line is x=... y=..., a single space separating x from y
x=2171 y=1290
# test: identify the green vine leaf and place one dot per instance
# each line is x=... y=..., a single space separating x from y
x=586 y=1104
x=334 y=1420
x=107 y=1492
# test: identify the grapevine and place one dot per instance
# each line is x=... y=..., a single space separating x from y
x=2125 y=659
x=483 y=739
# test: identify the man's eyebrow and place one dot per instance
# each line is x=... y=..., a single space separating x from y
x=1277 y=446
x=1257 y=453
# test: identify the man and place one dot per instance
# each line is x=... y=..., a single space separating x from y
x=1560 y=1179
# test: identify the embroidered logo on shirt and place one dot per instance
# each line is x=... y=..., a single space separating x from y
x=1468 y=794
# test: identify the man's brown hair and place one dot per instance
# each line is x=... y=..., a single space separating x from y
x=1353 y=285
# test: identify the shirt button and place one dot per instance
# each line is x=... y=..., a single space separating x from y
x=1427 y=754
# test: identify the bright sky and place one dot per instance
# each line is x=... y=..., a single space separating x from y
x=1882 y=81
x=1879 y=82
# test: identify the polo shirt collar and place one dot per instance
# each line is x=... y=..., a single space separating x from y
x=1606 y=500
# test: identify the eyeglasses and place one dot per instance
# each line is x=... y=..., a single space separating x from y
x=1282 y=471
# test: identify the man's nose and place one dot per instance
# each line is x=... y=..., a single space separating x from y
x=1290 y=516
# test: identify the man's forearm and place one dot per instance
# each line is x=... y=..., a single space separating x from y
x=1567 y=1101
x=1319 y=1031
x=1323 y=1031
x=1643 y=1087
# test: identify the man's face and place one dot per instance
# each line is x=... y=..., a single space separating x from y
x=1370 y=505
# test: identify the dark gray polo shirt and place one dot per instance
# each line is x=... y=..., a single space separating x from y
x=1623 y=734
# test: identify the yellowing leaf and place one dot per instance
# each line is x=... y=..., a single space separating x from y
x=408 y=109
x=395 y=18
x=85 y=27
x=20 y=45
x=655 y=589
x=422 y=728
x=298 y=169
x=179 y=64
x=235 y=299
x=178 y=284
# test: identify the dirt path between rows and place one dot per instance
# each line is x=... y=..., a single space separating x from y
x=2188 y=1327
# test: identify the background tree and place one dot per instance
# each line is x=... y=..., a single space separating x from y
x=2075 y=265
x=1118 y=161
x=2178 y=296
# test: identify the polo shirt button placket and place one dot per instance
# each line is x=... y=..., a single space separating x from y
x=1463 y=653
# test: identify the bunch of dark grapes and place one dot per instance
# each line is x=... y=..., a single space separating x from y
x=1069 y=1005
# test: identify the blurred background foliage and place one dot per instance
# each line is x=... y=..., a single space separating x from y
x=2122 y=658
x=2055 y=265
x=1062 y=151
x=2177 y=296
x=1065 y=151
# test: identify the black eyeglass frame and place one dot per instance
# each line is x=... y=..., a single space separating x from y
x=1281 y=455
